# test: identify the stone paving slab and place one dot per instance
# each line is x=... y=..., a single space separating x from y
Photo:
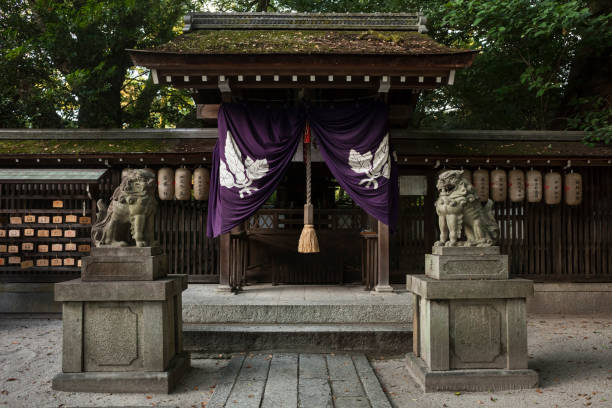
x=300 y=380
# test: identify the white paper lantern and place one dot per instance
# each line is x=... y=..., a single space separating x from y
x=573 y=188
x=480 y=181
x=182 y=184
x=552 y=188
x=125 y=172
x=534 y=186
x=516 y=185
x=165 y=183
x=499 y=185
x=467 y=175
x=201 y=183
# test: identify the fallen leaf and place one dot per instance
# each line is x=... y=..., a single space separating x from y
x=149 y=397
x=539 y=391
x=457 y=393
x=11 y=379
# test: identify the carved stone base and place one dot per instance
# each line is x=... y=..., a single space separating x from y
x=125 y=382
x=124 y=264
x=470 y=325
x=466 y=263
x=121 y=330
x=469 y=380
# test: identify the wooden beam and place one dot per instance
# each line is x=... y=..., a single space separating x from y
x=224 y=263
x=383 y=259
x=301 y=64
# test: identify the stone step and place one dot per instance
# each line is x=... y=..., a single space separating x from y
x=308 y=338
x=295 y=305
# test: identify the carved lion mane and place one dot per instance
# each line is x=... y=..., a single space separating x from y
x=129 y=218
x=458 y=208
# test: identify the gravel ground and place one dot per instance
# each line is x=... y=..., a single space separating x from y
x=572 y=354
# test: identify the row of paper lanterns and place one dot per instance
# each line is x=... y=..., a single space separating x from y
x=180 y=183
x=532 y=186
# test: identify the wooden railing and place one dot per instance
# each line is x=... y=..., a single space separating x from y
x=271 y=220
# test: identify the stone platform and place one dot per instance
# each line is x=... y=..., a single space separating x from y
x=299 y=380
x=308 y=318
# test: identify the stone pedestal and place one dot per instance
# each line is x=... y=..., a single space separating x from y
x=470 y=332
x=127 y=263
x=122 y=335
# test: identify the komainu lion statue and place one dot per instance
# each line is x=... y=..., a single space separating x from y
x=458 y=207
x=130 y=216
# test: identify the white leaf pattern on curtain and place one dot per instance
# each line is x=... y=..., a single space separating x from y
x=255 y=169
x=379 y=167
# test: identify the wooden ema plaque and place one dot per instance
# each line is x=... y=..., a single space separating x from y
x=68 y=261
x=3 y=248
x=58 y=204
x=71 y=219
x=42 y=262
x=43 y=219
x=29 y=218
x=42 y=233
x=28 y=232
x=27 y=246
x=43 y=248
x=13 y=249
x=57 y=247
x=56 y=232
x=57 y=219
x=70 y=246
x=15 y=220
x=84 y=248
x=84 y=220
x=14 y=233
x=14 y=260
x=56 y=262
x=27 y=264
x=70 y=233
x=2 y=233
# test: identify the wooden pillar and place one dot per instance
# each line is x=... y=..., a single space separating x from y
x=383 y=259
x=224 y=263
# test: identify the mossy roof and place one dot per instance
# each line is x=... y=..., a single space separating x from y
x=305 y=42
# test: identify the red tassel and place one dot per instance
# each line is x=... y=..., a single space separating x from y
x=307 y=133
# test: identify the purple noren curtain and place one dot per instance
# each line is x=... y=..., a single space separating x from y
x=256 y=145
x=354 y=142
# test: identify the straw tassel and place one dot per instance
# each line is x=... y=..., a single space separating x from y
x=308 y=239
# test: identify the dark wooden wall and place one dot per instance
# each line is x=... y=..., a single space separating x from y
x=546 y=243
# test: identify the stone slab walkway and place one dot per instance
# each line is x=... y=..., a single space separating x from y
x=298 y=380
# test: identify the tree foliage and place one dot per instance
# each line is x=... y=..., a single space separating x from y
x=75 y=58
x=543 y=64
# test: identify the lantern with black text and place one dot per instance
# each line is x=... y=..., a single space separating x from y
x=499 y=185
x=165 y=183
x=573 y=188
x=552 y=188
x=534 y=186
x=182 y=184
x=516 y=185
x=480 y=181
x=201 y=183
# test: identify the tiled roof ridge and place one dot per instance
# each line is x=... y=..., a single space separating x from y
x=305 y=21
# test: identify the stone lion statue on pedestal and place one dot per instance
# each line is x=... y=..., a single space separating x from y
x=458 y=207
x=129 y=218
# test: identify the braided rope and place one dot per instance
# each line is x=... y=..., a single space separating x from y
x=308 y=175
